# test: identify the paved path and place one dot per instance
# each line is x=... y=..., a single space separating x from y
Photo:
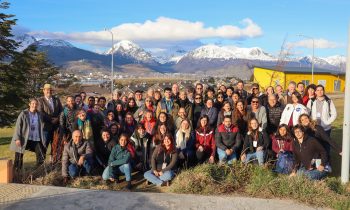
x=28 y=197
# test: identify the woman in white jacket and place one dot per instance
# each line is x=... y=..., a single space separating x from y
x=291 y=112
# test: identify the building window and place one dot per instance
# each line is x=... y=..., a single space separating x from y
x=322 y=82
x=337 y=85
x=306 y=82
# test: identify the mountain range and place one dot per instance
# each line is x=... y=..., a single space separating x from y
x=208 y=59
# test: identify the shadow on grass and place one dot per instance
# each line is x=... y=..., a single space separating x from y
x=5 y=140
x=337 y=136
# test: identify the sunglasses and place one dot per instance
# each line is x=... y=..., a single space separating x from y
x=255 y=88
x=198 y=98
x=255 y=102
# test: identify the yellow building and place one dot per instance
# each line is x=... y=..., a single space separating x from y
x=269 y=76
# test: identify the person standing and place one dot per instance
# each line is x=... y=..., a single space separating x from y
x=50 y=107
x=29 y=135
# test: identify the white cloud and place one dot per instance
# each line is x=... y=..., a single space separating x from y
x=162 y=29
x=319 y=43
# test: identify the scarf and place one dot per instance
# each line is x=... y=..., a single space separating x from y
x=182 y=136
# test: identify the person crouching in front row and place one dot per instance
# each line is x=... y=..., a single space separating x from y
x=77 y=157
x=163 y=162
x=119 y=161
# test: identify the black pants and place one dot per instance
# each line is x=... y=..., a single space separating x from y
x=202 y=156
x=33 y=146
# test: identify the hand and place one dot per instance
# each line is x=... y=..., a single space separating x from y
x=81 y=161
x=181 y=155
x=259 y=148
x=243 y=157
x=320 y=168
x=341 y=153
x=18 y=143
x=155 y=173
x=141 y=113
x=65 y=180
x=160 y=173
x=228 y=152
x=54 y=120
x=200 y=148
x=211 y=159
x=293 y=174
x=281 y=150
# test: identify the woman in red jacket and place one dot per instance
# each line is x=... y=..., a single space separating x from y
x=205 y=142
x=282 y=140
x=309 y=93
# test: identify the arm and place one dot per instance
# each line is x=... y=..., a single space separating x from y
x=65 y=159
x=275 y=146
x=218 y=140
x=18 y=131
x=153 y=158
x=318 y=148
x=333 y=113
x=121 y=161
x=263 y=118
x=321 y=135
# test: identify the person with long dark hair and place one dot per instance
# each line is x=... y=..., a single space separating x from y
x=185 y=142
x=309 y=94
x=226 y=110
x=241 y=116
x=198 y=105
x=163 y=162
x=205 y=142
x=292 y=111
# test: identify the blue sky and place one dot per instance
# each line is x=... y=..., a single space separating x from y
x=269 y=22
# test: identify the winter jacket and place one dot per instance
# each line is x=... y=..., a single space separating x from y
x=161 y=107
x=212 y=114
x=328 y=115
x=159 y=157
x=143 y=109
x=72 y=154
x=142 y=146
x=298 y=110
x=205 y=138
x=263 y=140
x=22 y=131
x=306 y=151
x=119 y=156
x=190 y=142
x=48 y=113
x=221 y=117
x=103 y=150
x=196 y=109
x=322 y=136
x=260 y=115
x=228 y=139
x=274 y=115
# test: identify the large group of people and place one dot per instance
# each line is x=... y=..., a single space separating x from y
x=159 y=133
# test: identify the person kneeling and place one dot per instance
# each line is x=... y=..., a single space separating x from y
x=163 y=162
x=77 y=157
x=119 y=162
x=305 y=148
x=255 y=143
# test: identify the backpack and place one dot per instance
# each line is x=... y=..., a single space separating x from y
x=284 y=163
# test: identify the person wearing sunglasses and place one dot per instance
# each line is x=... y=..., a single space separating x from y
x=259 y=112
x=198 y=105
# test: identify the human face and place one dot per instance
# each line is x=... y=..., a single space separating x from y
x=150 y=93
x=240 y=106
x=123 y=141
x=125 y=99
x=110 y=116
x=162 y=117
x=223 y=88
x=33 y=105
x=198 y=99
x=138 y=96
x=255 y=90
x=77 y=136
x=209 y=103
x=254 y=124
x=128 y=119
x=157 y=96
x=175 y=89
x=106 y=136
x=229 y=92
x=204 y=122
x=255 y=103
x=162 y=129
x=119 y=108
x=167 y=141
x=77 y=100
x=295 y=99
x=199 y=89
x=70 y=102
x=282 y=131
x=167 y=94
x=141 y=131
x=240 y=86
x=47 y=92
x=272 y=101
x=96 y=108
x=182 y=113
x=291 y=88
x=319 y=92
x=102 y=103
x=148 y=102
x=305 y=121
x=235 y=97
x=148 y=116
x=91 y=102
x=298 y=134
x=311 y=92
x=131 y=103
x=227 y=122
x=227 y=107
x=83 y=96
x=114 y=129
x=279 y=89
x=210 y=94
x=183 y=95
x=82 y=116
x=269 y=91
x=220 y=98
x=301 y=88
x=185 y=125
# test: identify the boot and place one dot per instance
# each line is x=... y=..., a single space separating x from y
x=128 y=186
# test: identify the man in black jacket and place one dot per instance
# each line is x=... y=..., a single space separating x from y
x=274 y=111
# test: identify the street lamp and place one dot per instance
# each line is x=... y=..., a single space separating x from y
x=313 y=55
x=112 y=68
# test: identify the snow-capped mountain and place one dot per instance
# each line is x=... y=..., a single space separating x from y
x=54 y=43
x=131 y=50
x=25 y=40
x=229 y=52
x=336 y=60
x=169 y=55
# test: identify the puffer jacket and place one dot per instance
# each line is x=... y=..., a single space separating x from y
x=228 y=139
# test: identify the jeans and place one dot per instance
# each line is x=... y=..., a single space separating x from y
x=74 y=170
x=312 y=174
x=115 y=171
x=158 y=180
x=256 y=155
x=223 y=157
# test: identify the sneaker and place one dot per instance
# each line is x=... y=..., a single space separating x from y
x=328 y=168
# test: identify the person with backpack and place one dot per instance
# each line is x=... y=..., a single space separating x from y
x=322 y=109
x=282 y=142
